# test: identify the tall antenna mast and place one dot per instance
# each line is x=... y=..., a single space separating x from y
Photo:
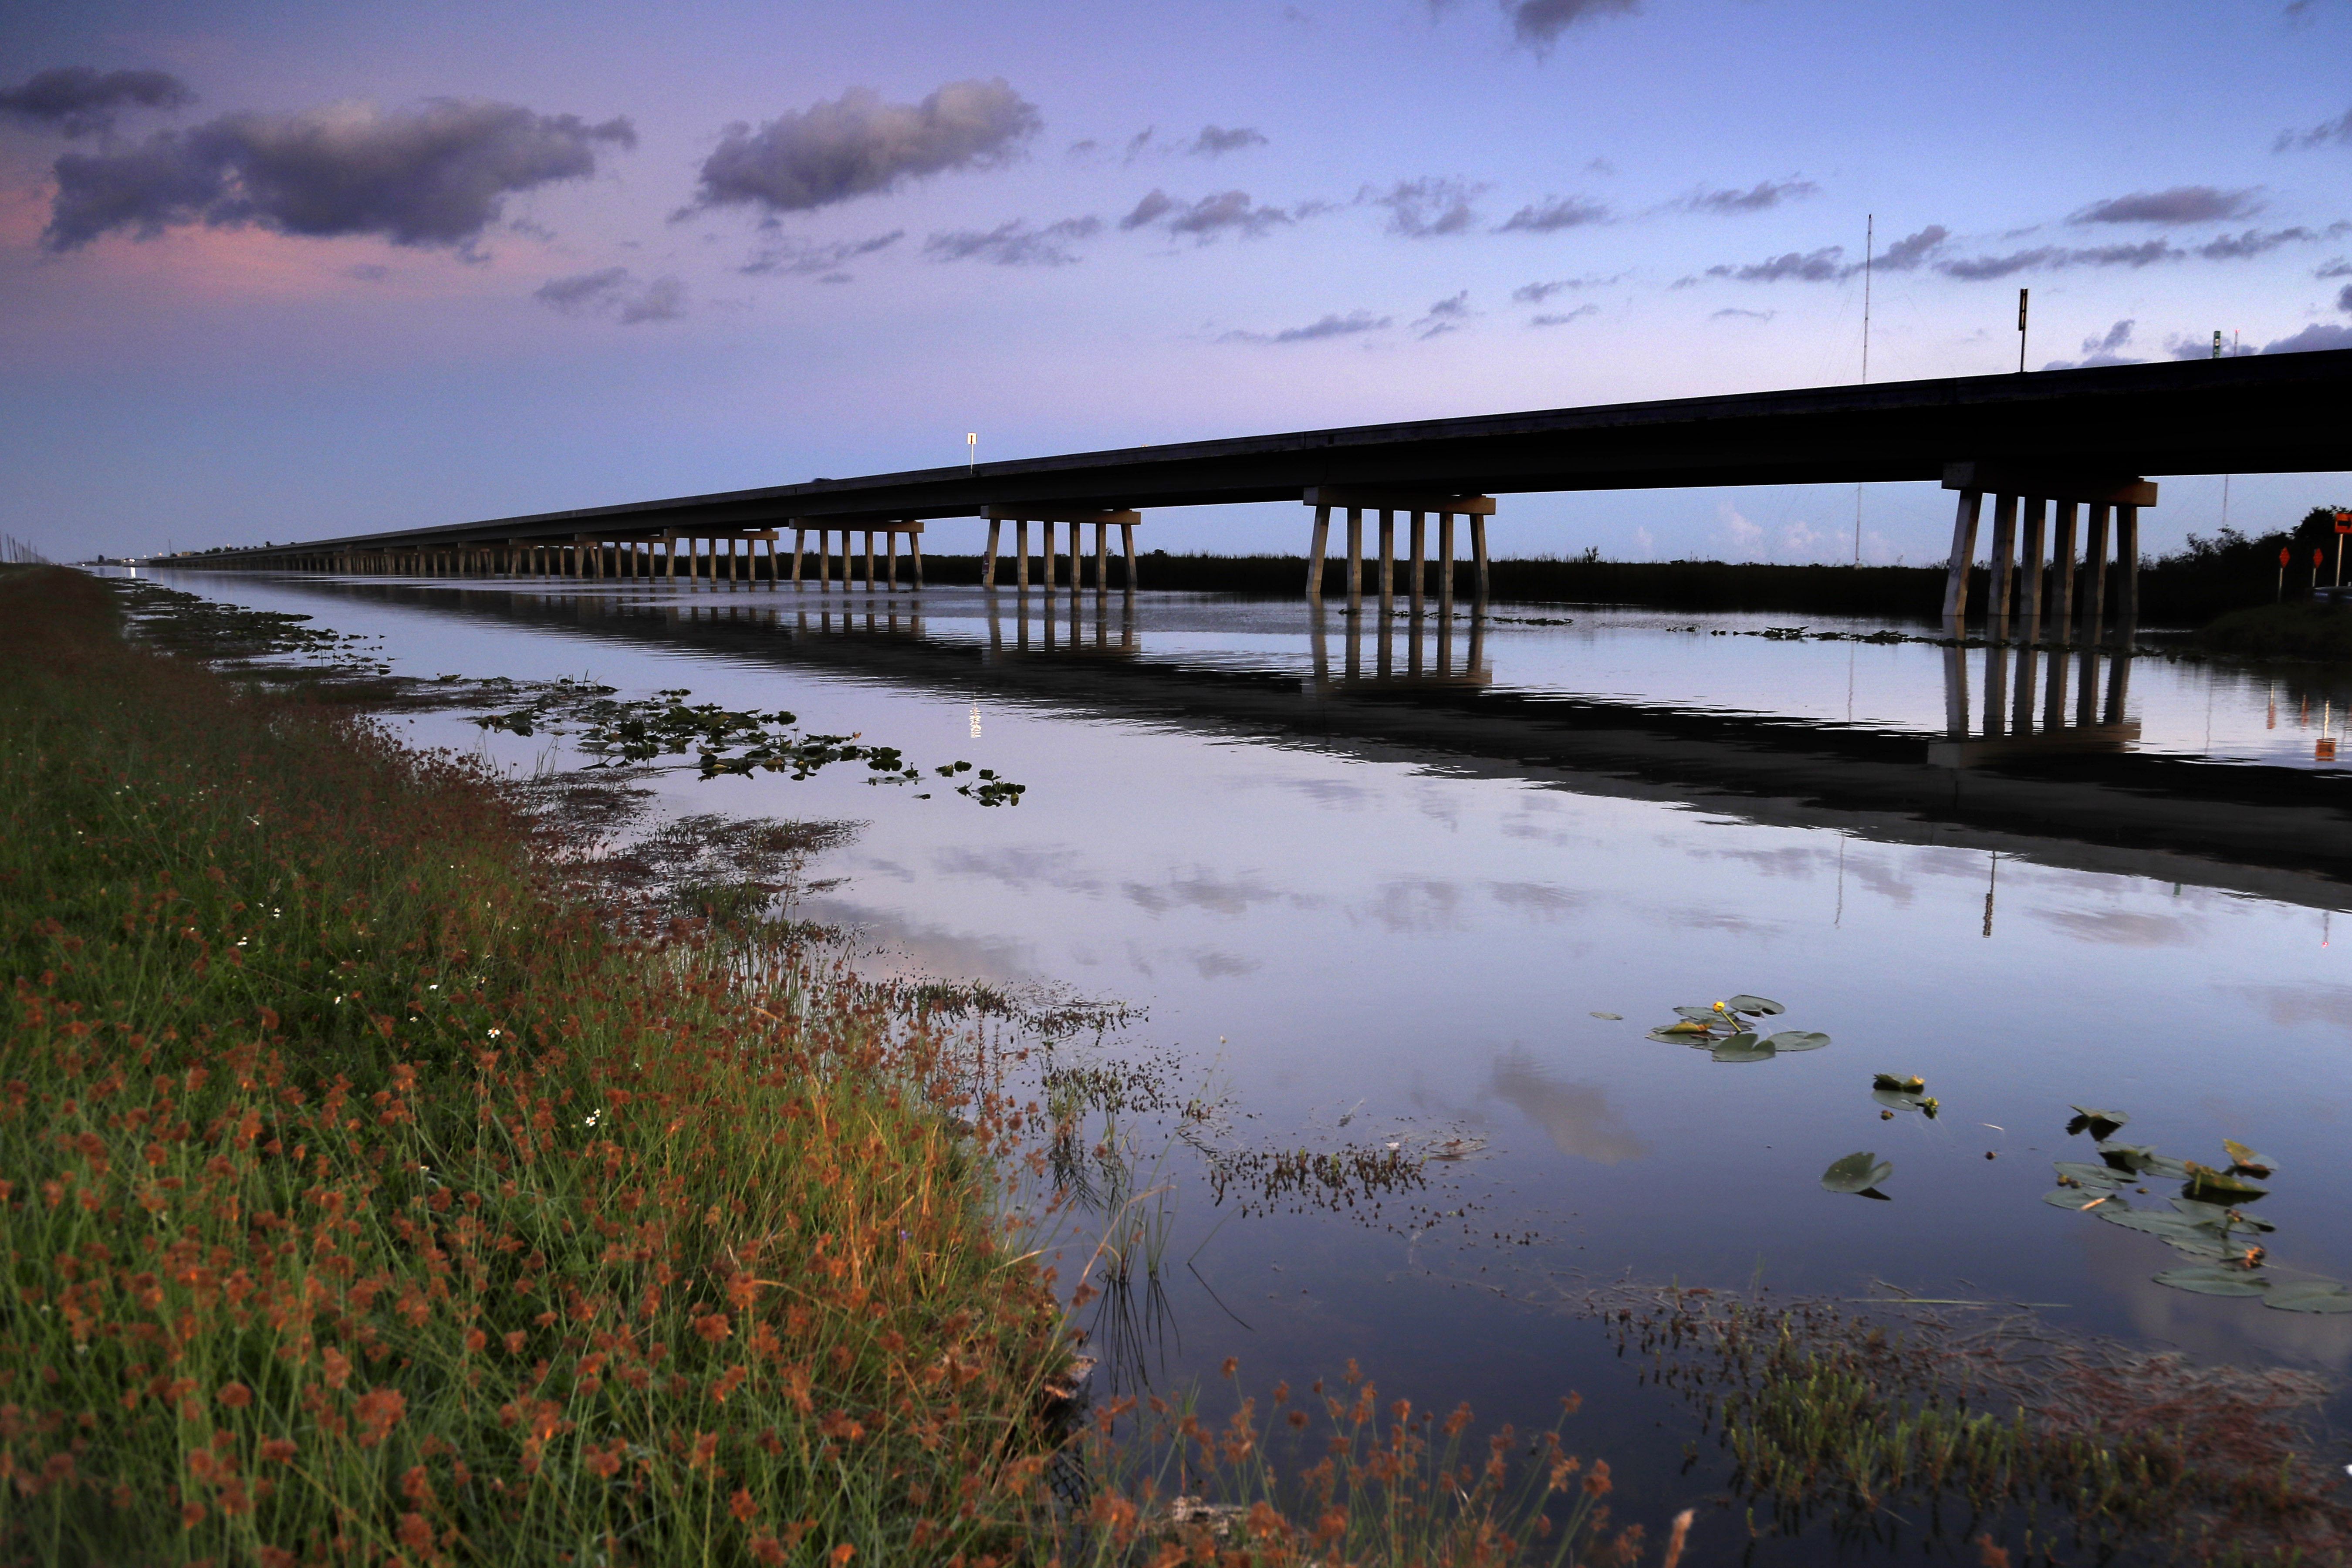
x=1869 y=244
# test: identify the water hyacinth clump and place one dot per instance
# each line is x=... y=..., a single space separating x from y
x=368 y=1199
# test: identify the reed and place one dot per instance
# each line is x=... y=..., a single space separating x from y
x=368 y=1199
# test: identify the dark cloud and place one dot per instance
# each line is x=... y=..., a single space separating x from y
x=858 y=145
x=2102 y=348
x=76 y=101
x=2251 y=243
x=1733 y=312
x=1420 y=209
x=1446 y=316
x=2339 y=131
x=1332 y=326
x=1138 y=142
x=1562 y=319
x=1757 y=198
x=1215 y=141
x=1014 y=244
x=435 y=174
x=2318 y=335
x=1826 y=265
x=1553 y=213
x=1537 y=293
x=2054 y=257
x=800 y=259
x=2339 y=268
x=2181 y=203
x=1227 y=212
x=1539 y=23
x=2344 y=298
x=615 y=292
x=1912 y=249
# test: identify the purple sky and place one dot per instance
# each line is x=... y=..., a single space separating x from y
x=277 y=270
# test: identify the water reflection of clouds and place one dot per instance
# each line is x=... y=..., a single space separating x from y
x=1019 y=867
x=1414 y=907
x=2211 y=1327
x=1538 y=900
x=1576 y=1116
x=2287 y=1006
x=2125 y=928
x=1199 y=889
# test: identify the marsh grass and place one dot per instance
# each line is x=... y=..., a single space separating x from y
x=367 y=1200
x=1900 y=1426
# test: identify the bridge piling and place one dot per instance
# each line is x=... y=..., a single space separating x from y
x=1963 y=557
x=2028 y=605
x=1444 y=574
x=1388 y=577
x=2062 y=571
x=2127 y=572
x=1355 y=561
x=1420 y=582
x=988 y=561
x=1315 y=553
x=2095 y=580
x=2004 y=565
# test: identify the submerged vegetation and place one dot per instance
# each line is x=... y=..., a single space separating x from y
x=1900 y=1427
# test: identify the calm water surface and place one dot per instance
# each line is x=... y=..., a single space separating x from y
x=1370 y=898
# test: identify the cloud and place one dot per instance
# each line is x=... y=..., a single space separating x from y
x=1420 y=209
x=1014 y=244
x=1332 y=326
x=1227 y=212
x=434 y=175
x=1537 y=293
x=2318 y=335
x=2053 y=258
x=2339 y=131
x=1908 y=252
x=1823 y=266
x=1539 y=23
x=2102 y=348
x=1137 y=143
x=1764 y=194
x=1215 y=141
x=2339 y=268
x=615 y=292
x=76 y=101
x=2344 y=298
x=1553 y=213
x=1446 y=316
x=1562 y=320
x=795 y=257
x=2181 y=203
x=1732 y=311
x=858 y=145
x=2188 y=345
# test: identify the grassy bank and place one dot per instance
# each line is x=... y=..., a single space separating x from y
x=2304 y=630
x=367 y=1199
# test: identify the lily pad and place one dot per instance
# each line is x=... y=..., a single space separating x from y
x=2090 y=1175
x=1699 y=1015
x=2078 y=1199
x=1612 y=1017
x=1798 y=1040
x=2100 y=1124
x=2208 y=1279
x=1681 y=1034
x=2143 y=1159
x=2309 y=1296
x=1744 y=1048
x=1888 y=1081
x=2211 y=1185
x=2245 y=1161
x=1858 y=1173
x=2155 y=1222
x=1759 y=1005
x=2217 y=1214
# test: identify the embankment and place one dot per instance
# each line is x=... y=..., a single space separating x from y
x=371 y=1198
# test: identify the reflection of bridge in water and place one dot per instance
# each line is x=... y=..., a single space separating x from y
x=2037 y=702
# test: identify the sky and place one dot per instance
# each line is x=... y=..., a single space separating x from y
x=277 y=271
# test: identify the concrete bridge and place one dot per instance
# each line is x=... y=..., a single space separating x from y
x=2047 y=447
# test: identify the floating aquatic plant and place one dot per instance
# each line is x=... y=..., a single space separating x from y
x=1729 y=1032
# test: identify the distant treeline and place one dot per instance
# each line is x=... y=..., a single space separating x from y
x=2206 y=578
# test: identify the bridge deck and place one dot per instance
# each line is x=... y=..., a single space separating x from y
x=2270 y=414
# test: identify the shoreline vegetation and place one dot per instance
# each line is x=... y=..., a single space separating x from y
x=376 y=1194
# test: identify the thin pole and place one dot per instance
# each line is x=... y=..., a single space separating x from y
x=2021 y=330
x=1869 y=242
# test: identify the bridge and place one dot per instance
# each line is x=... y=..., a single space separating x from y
x=2044 y=446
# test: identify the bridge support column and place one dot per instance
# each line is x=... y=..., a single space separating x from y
x=2127 y=581
x=988 y=560
x=1998 y=593
x=1420 y=582
x=1963 y=557
x=2029 y=563
x=1102 y=559
x=2062 y=571
x=1126 y=543
x=1322 y=536
x=1388 y=575
x=1355 y=561
x=869 y=560
x=1445 y=568
x=892 y=541
x=1478 y=555
x=2095 y=579
x=1021 y=554
x=915 y=546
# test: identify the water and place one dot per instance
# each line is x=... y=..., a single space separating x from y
x=1374 y=898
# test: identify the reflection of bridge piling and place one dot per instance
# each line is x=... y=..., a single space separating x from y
x=1429 y=652
x=2024 y=712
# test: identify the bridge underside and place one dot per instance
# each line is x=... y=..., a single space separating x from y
x=2064 y=436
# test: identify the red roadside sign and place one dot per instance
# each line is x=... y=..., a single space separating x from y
x=2343 y=522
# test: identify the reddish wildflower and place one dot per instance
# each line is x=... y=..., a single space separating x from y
x=379 y=1409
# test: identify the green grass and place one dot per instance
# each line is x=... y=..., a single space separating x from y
x=368 y=1199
